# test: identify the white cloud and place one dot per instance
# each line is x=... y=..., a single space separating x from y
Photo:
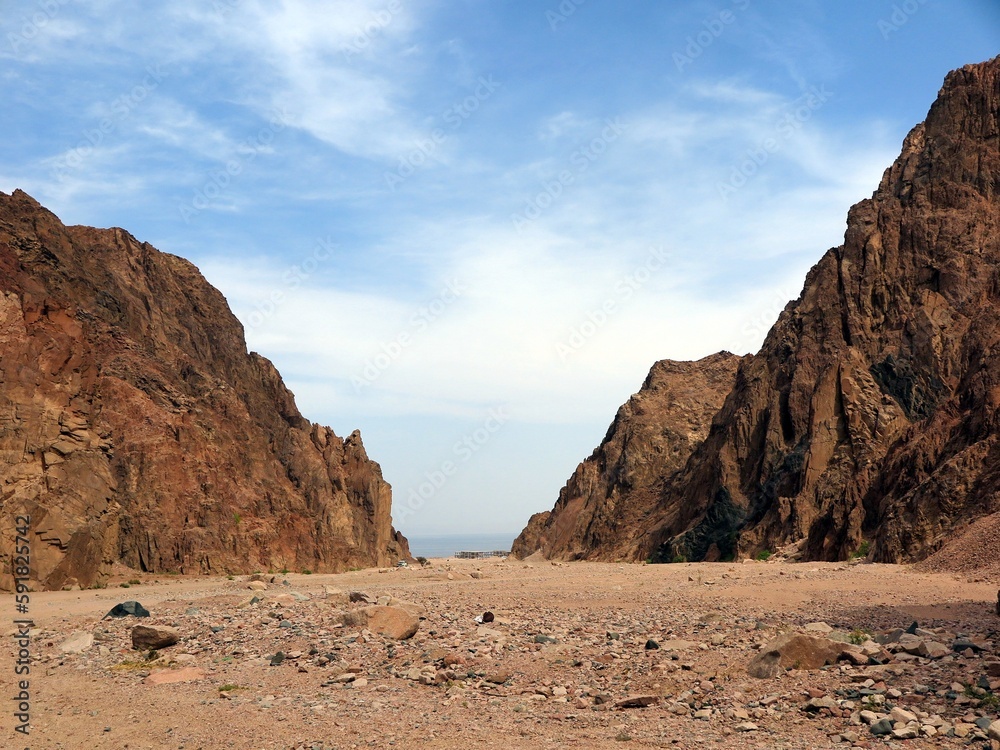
x=326 y=66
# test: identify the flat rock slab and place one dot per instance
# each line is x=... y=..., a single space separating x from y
x=167 y=676
x=77 y=643
x=677 y=645
x=638 y=701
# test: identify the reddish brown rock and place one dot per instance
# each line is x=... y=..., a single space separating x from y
x=794 y=651
x=872 y=411
x=169 y=676
x=391 y=622
x=145 y=637
x=638 y=701
x=602 y=511
x=136 y=428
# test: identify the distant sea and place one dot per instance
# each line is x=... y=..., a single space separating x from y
x=447 y=545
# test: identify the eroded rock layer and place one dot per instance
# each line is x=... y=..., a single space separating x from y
x=136 y=428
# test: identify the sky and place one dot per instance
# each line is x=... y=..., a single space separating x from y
x=468 y=228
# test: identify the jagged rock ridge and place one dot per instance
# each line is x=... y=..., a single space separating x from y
x=872 y=411
x=136 y=428
x=605 y=508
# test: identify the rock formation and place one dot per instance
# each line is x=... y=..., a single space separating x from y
x=604 y=509
x=136 y=428
x=872 y=411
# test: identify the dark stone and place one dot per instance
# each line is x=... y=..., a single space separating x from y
x=127 y=609
x=912 y=630
x=881 y=728
x=652 y=645
x=545 y=639
x=961 y=644
x=916 y=392
x=277 y=658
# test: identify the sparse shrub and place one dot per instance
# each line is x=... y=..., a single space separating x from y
x=423 y=561
x=679 y=559
x=134 y=581
x=306 y=572
x=764 y=554
x=862 y=551
x=123 y=585
x=859 y=636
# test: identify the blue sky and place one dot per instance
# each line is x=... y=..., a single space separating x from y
x=469 y=228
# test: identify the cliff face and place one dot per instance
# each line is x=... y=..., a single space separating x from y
x=135 y=427
x=871 y=411
x=604 y=511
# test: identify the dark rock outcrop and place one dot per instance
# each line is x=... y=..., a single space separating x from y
x=871 y=409
x=136 y=428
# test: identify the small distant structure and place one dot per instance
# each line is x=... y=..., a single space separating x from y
x=482 y=555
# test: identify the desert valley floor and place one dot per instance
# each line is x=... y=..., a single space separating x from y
x=568 y=662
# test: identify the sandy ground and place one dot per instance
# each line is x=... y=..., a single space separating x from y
x=495 y=684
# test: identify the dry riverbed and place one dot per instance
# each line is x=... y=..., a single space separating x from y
x=579 y=655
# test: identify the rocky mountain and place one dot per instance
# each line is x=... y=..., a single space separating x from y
x=607 y=504
x=136 y=428
x=872 y=412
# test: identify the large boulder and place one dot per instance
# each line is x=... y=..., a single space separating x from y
x=152 y=637
x=391 y=622
x=794 y=651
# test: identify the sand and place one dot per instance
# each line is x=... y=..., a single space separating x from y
x=342 y=687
